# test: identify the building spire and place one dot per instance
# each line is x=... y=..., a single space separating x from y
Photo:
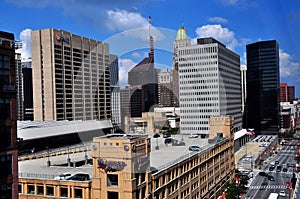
x=151 y=54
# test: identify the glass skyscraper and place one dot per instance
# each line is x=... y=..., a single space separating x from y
x=262 y=103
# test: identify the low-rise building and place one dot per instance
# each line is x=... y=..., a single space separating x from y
x=137 y=166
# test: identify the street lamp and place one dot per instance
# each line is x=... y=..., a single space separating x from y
x=69 y=159
x=48 y=152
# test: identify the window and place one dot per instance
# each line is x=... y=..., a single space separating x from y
x=114 y=195
x=5 y=141
x=5 y=166
x=6 y=191
x=40 y=189
x=112 y=180
x=20 y=186
x=49 y=190
x=30 y=189
x=4 y=107
x=63 y=191
x=77 y=193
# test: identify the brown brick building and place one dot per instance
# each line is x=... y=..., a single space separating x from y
x=8 y=118
x=131 y=166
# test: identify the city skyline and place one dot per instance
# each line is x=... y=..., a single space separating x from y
x=234 y=23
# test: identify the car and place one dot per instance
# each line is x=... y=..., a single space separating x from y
x=278 y=168
x=261 y=173
x=166 y=134
x=271 y=178
x=194 y=148
x=276 y=162
x=193 y=135
x=168 y=140
x=282 y=193
x=62 y=176
x=284 y=169
x=79 y=177
x=271 y=168
x=178 y=143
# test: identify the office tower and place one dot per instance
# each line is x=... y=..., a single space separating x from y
x=142 y=80
x=115 y=91
x=166 y=93
x=24 y=88
x=209 y=85
x=180 y=41
x=125 y=95
x=262 y=106
x=27 y=89
x=8 y=118
x=287 y=93
x=19 y=84
x=71 y=79
x=244 y=86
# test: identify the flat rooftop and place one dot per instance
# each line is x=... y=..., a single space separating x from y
x=160 y=158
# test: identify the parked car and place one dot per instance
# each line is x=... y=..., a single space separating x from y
x=79 y=177
x=178 y=143
x=278 y=168
x=193 y=136
x=276 y=162
x=262 y=173
x=168 y=140
x=271 y=168
x=282 y=193
x=62 y=176
x=284 y=169
x=194 y=148
x=271 y=178
x=166 y=134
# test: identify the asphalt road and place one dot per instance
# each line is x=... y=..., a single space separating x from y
x=261 y=186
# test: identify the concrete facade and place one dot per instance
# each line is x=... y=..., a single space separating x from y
x=209 y=85
x=71 y=78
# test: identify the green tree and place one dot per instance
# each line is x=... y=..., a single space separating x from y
x=232 y=191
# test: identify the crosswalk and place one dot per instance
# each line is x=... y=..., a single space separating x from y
x=268 y=187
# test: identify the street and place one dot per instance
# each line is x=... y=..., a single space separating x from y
x=262 y=185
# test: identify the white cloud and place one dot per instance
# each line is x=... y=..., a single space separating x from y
x=120 y=20
x=125 y=65
x=217 y=20
x=25 y=37
x=136 y=55
x=288 y=67
x=224 y=35
x=133 y=25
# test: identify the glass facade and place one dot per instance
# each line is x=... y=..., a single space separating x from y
x=262 y=104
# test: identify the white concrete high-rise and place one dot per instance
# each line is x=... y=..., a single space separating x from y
x=209 y=85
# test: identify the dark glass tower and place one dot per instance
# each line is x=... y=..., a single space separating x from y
x=262 y=103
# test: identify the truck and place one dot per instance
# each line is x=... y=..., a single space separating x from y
x=273 y=196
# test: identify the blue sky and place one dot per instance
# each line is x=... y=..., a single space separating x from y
x=124 y=25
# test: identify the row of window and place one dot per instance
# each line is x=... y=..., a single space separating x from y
x=48 y=190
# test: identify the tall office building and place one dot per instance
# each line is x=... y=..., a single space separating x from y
x=166 y=95
x=244 y=86
x=262 y=106
x=142 y=80
x=19 y=84
x=8 y=118
x=115 y=91
x=27 y=89
x=71 y=77
x=209 y=85
x=180 y=41
x=287 y=93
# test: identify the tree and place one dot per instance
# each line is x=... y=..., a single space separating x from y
x=232 y=191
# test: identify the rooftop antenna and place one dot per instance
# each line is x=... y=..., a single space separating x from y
x=151 y=54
